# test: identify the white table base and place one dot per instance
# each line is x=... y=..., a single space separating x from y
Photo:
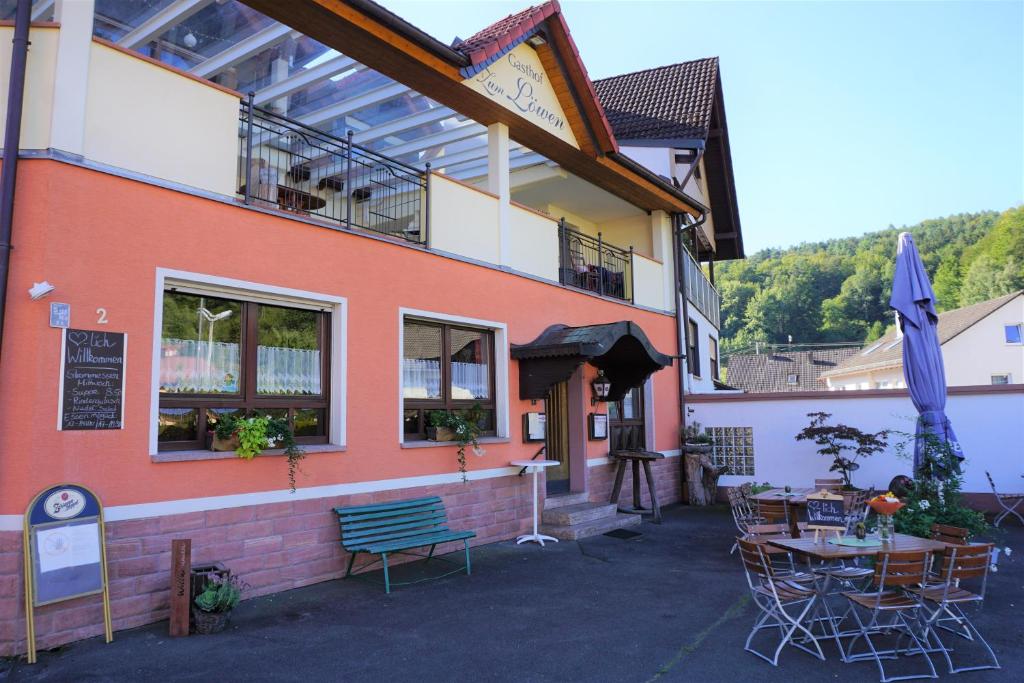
x=535 y=537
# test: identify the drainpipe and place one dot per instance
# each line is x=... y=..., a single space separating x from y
x=12 y=143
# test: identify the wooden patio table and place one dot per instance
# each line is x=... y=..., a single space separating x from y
x=799 y=496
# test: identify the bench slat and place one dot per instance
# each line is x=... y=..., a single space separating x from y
x=408 y=536
x=409 y=526
x=421 y=541
x=348 y=519
x=435 y=517
x=394 y=505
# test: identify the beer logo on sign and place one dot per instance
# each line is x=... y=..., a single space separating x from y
x=64 y=504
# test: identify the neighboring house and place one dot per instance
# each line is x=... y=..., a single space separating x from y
x=387 y=227
x=784 y=371
x=672 y=120
x=981 y=344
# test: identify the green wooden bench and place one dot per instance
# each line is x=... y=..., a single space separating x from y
x=396 y=527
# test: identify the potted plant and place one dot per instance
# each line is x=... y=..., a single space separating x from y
x=695 y=440
x=211 y=610
x=250 y=436
x=460 y=426
x=835 y=440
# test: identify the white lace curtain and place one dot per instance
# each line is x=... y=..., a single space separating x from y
x=188 y=366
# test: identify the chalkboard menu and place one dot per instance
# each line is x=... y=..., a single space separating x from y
x=92 y=380
x=825 y=513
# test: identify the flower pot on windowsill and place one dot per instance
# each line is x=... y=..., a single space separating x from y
x=697 y=448
x=440 y=434
x=220 y=444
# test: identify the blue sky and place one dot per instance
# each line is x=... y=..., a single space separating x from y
x=844 y=117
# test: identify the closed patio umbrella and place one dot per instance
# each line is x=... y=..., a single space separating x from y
x=914 y=301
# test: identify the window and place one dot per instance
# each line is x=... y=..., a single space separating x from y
x=733 y=447
x=713 y=356
x=1001 y=379
x=445 y=367
x=693 y=357
x=1013 y=334
x=792 y=379
x=222 y=356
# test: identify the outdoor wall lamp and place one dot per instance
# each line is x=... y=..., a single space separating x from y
x=600 y=386
x=40 y=289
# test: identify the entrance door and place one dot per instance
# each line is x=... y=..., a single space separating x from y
x=556 y=408
x=626 y=428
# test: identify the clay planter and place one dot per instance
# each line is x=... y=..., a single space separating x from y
x=697 y=448
x=220 y=444
x=210 y=622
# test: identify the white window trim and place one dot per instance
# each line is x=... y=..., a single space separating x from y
x=501 y=359
x=255 y=291
x=649 y=432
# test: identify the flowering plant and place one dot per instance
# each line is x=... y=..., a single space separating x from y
x=256 y=433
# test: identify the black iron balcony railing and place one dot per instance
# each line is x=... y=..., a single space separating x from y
x=286 y=165
x=592 y=264
x=699 y=290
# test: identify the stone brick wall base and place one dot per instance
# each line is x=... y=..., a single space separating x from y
x=272 y=547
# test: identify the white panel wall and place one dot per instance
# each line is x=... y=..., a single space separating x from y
x=533 y=243
x=990 y=427
x=463 y=220
x=648 y=285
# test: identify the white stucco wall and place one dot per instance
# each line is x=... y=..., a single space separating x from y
x=980 y=351
x=988 y=422
x=656 y=159
x=703 y=383
x=885 y=378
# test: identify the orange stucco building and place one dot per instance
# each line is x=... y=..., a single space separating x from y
x=258 y=259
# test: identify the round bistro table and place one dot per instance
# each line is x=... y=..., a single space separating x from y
x=535 y=466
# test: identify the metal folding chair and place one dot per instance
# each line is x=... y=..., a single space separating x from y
x=894 y=571
x=953 y=535
x=1005 y=500
x=773 y=511
x=830 y=485
x=776 y=597
x=959 y=564
x=742 y=514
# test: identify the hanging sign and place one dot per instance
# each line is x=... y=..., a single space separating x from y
x=60 y=315
x=65 y=556
x=92 y=380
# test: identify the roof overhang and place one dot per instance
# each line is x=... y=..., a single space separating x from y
x=386 y=43
x=620 y=349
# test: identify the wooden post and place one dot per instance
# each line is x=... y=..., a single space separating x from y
x=181 y=594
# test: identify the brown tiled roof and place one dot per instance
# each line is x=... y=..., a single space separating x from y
x=768 y=373
x=502 y=34
x=887 y=352
x=665 y=103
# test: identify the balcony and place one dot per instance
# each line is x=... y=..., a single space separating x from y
x=590 y=263
x=286 y=165
x=699 y=290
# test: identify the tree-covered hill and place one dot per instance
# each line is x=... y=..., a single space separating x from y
x=838 y=291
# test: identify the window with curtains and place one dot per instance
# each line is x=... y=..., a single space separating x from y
x=445 y=367
x=222 y=356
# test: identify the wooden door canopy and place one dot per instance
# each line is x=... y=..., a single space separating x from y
x=384 y=42
x=621 y=349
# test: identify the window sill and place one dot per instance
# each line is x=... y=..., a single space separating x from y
x=437 y=444
x=189 y=456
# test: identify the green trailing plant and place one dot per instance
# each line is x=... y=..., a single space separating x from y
x=257 y=433
x=932 y=500
x=464 y=425
x=220 y=594
x=844 y=444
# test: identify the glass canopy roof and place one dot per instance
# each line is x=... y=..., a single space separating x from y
x=233 y=45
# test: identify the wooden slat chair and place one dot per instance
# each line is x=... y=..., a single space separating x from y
x=960 y=564
x=1007 y=501
x=396 y=527
x=773 y=511
x=953 y=535
x=894 y=573
x=742 y=514
x=783 y=603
